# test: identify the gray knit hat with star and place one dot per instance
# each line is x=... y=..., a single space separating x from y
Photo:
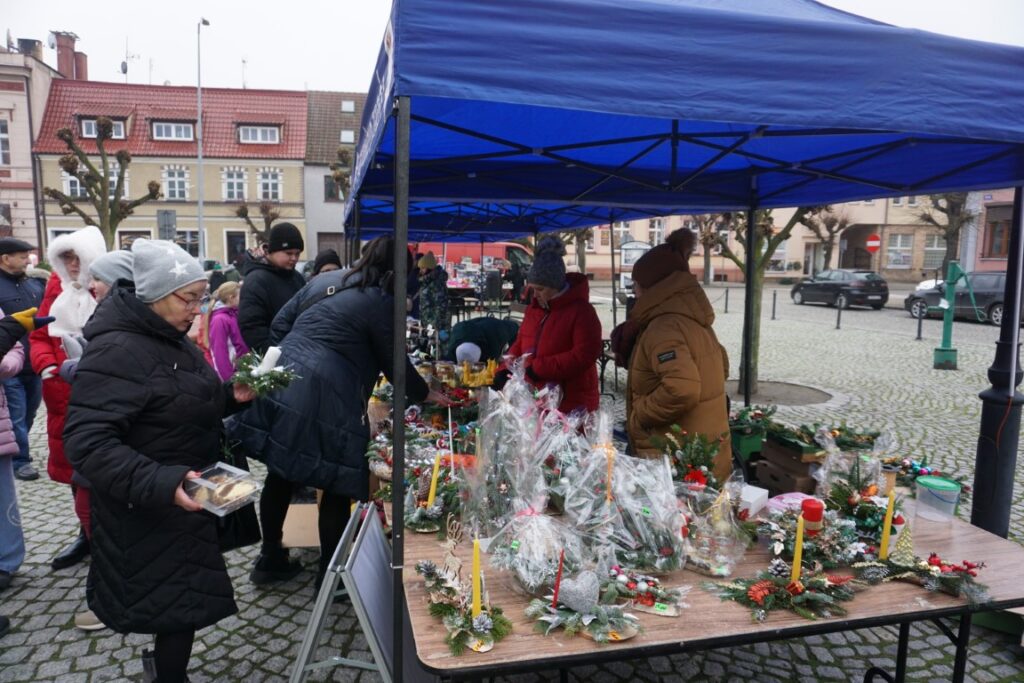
x=160 y=267
x=112 y=266
x=548 y=269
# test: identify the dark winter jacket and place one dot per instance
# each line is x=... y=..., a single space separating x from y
x=145 y=409
x=266 y=290
x=18 y=292
x=492 y=335
x=564 y=342
x=315 y=431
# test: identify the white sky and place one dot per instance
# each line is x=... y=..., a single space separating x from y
x=332 y=44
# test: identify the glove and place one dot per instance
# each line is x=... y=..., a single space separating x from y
x=49 y=372
x=29 y=321
x=68 y=369
x=501 y=378
x=74 y=345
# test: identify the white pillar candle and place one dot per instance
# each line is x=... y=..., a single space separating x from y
x=269 y=361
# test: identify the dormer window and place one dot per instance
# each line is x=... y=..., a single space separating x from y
x=89 y=129
x=348 y=136
x=348 y=106
x=172 y=131
x=259 y=135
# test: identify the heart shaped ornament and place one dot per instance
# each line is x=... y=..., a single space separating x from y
x=580 y=594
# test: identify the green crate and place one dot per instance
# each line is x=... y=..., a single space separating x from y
x=746 y=445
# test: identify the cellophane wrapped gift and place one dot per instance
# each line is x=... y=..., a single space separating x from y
x=560 y=446
x=530 y=546
x=506 y=466
x=715 y=541
x=854 y=471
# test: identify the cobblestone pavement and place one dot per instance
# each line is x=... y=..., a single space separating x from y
x=878 y=376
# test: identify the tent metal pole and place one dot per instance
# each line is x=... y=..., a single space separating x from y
x=748 y=305
x=398 y=377
x=615 y=299
x=353 y=252
x=996 y=459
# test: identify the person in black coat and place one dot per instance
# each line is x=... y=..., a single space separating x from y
x=268 y=285
x=145 y=414
x=491 y=335
x=314 y=432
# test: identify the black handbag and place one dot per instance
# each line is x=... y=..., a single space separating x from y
x=240 y=528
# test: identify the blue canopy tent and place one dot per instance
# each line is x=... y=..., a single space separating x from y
x=662 y=106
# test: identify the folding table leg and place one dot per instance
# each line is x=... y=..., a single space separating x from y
x=963 y=640
x=901 y=660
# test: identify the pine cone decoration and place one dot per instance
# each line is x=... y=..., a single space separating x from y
x=760 y=590
x=779 y=568
x=423 y=490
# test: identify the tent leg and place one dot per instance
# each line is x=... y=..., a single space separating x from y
x=615 y=299
x=996 y=459
x=748 y=307
x=402 y=111
x=354 y=246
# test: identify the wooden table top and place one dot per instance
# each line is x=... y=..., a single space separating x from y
x=707 y=622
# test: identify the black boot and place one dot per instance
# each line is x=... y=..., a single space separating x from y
x=73 y=554
x=148 y=666
x=274 y=565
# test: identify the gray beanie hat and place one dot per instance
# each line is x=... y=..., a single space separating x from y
x=160 y=267
x=112 y=266
x=548 y=269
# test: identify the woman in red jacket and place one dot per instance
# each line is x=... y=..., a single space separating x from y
x=561 y=330
x=67 y=298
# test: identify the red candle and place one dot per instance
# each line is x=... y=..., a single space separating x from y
x=813 y=510
x=558 y=579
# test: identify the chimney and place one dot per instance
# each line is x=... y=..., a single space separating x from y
x=81 y=66
x=65 y=53
x=28 y=46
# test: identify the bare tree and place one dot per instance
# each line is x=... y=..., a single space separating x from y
x=709 y=237
x=949 y=213
x=766 y=241
x=827 y=225
x=100 y=200
x=579 y=239
x=268 y=213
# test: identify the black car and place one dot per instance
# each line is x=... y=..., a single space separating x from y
x=842 y=288
x=986 y=306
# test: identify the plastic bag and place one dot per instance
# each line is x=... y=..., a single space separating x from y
x=854 y=471
x=530 y=546
x=715 y=543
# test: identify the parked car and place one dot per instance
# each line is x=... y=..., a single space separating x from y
x=987 y=305
x=842 y=288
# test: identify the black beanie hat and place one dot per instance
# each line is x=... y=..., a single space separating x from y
x=285 y=236
x=323 y=258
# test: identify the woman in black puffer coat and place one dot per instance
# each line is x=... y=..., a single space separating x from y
x=146 y=413
x=315 y=431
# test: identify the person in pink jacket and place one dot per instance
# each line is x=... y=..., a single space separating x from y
x=224 y=338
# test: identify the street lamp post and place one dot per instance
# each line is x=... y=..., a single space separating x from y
x=201 y=234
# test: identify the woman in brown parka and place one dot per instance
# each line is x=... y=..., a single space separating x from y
x=677 y=367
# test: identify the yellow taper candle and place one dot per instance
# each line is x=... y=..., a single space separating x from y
x=476 y=577
x=433 y=481
x=883 y=550
x=798 y=550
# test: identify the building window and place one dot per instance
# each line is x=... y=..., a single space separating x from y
x=348 y=106
x=126 y=237
x=73 y=187
x=656 y=231
x=89 y=129
x=332 y=193
x=900 y=250
x=259 y=135
x=912 y=200
x=604 y=236
x=348 y=136
x=112 y=172
x=270 y=185
x=997 y=240
x=897 y=201
x=188 y=240
x=172 y=131
x=934 y=251
x=175 y=183
x=777 y=262
x=233 y=181
x=5 y=144
x=234 y=246
x=621 y=234
x=590 y=245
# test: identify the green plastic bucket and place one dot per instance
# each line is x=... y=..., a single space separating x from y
x=937 y=498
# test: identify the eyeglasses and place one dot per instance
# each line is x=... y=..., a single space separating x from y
x=192 y=303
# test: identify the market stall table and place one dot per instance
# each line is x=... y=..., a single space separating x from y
x=708 y=622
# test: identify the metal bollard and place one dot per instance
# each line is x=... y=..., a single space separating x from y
x=839 y=316
x=726 y=300
x=775 y=296
x=920 y=322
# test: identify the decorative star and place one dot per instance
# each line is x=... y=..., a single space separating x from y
x=178 y=269
x=170 y=251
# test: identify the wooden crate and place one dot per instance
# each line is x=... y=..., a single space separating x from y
x=790 y=458
x=780 y=480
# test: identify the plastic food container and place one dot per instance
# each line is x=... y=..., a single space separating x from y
x=223 y=488
x=937 y=498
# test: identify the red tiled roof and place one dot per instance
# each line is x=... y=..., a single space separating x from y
x=223 y=110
